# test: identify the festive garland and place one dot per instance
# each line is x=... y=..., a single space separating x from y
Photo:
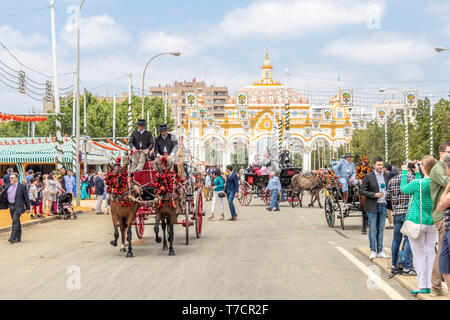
x=363 y=168
x=13 y=117
x=116 y=183
x=166 y=182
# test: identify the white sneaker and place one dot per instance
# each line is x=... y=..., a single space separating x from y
x=382 y=255
x=373 y=255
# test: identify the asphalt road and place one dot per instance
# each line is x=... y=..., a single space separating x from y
x=291 y=254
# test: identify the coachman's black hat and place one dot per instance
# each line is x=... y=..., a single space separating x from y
x=163 y=127
x=141 y=122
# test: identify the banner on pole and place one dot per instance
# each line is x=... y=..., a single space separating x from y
x=326 y=116
x=202 y=113
x=308 y=132
x=242 y=101
x=346 y=98
x=315 y=124
x=210 y=122
x=362 y=124
x=243 y=114
x=191 y=101
x=347 y=131
x=411 y=98
x=381 y=114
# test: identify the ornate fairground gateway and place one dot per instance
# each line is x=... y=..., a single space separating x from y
x=262 y=119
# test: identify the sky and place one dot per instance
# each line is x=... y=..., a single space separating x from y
x=366 y=44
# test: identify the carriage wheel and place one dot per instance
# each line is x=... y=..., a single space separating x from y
x=329 y=211
x=186 y=216
x=343 y=216
x=293 y=199
x=140 y=225
x=337 y=208
x=245 y=195
x=199 y=215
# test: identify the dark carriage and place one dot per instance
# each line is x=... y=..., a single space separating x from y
x=254 y=185
x=334 y=203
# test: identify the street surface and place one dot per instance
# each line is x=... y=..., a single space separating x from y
x=291 y=254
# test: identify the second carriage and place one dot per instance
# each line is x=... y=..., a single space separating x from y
x=254 y=186
x=335 y=206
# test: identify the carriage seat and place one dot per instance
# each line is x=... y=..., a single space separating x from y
x=149 y=165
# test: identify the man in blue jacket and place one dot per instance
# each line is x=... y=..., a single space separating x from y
x=232 y=188
x=345 y=172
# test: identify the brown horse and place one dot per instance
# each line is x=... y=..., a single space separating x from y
x=307 y=182
x=167 y=209
x=123 y=212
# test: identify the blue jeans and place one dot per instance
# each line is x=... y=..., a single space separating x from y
x=230 y=197
x=274 y=199
x=397 y=240
x=377 y=220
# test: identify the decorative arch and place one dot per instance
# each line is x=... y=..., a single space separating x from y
x=210 y=136
x=321 y=136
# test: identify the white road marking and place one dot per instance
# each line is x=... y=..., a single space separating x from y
x=394 y=295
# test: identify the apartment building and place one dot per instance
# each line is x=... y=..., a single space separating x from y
x=214 y=97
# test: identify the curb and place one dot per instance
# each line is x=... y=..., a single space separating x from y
x=30 y=223
x=404 y=281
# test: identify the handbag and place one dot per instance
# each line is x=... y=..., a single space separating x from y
x=221 y=194
x=410 y=229
x=4 y=203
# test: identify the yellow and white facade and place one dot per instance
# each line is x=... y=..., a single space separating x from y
x=253 y=116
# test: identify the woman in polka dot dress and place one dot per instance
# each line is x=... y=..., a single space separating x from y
x=423 y=246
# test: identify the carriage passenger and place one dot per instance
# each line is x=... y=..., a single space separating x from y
x=345 y=172
x=166 y=145
x=285 y=159
x=141 y=143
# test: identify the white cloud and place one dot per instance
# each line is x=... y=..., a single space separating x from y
x=157 y=41
x=96 y=31
x=288 y=18
x=14 y=38
x=381 y=48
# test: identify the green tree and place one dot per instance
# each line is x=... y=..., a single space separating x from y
x=419 y=131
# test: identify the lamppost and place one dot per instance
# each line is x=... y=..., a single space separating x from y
x=176 y=54
x=77 y=88
x=403 y=92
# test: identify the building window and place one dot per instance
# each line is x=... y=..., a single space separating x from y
x=175 y=94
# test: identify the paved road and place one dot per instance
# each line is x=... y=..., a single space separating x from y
x=291 y=254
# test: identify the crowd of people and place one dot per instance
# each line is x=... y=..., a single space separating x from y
x=416 y=201
x=419 y=200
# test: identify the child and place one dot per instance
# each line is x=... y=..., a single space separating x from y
x=33 y=195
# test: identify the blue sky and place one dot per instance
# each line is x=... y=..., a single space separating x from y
x=369 y=44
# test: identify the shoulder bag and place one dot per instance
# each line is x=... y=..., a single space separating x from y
x=410 y=229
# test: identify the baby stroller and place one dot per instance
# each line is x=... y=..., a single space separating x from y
x=65 y=207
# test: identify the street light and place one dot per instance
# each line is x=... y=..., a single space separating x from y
x=176 y=54
x=406 y=119
x=440 y=49
x=77 y=88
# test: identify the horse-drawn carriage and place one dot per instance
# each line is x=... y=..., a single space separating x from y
x=158 y=192
x=334 y=200
x=255 y=185
x=192 y=211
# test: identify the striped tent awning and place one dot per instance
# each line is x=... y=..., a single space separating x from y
x=34 y=153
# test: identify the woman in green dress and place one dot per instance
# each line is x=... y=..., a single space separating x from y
x=422 y=247
x=84 y=190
